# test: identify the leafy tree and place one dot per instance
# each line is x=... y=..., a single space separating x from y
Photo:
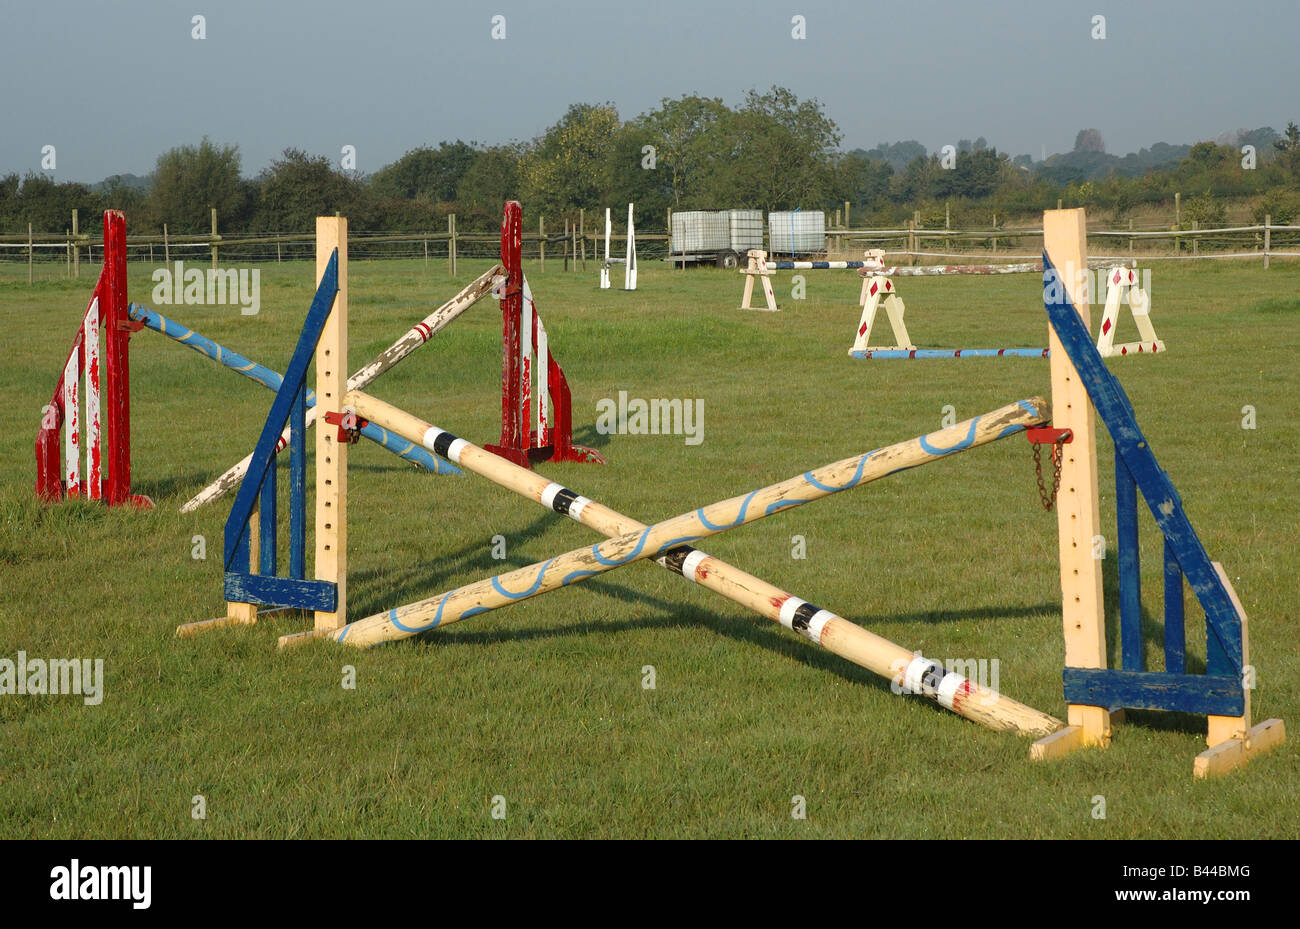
x=631 y=176
x=781 y=155
x=45 y=203
x=490 y=180
x=977 y=174
x=1208 y=155
x=190 y=180
x=1289 y=150
x=431 y=174
x=687 y=138
x=298 y=187
x=127 y=193
x=920 y=180
x=1089 y=140
x=1205 y=210
x=566 y=167
x=861 y=181
x=1281 y=208
x=898 y=154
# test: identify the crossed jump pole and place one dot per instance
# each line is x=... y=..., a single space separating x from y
x=667 y=543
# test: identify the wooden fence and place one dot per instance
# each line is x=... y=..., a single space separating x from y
x=569 y=244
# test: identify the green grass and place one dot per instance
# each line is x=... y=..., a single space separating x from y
x=542 y=703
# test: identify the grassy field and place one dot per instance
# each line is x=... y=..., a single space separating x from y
x=543 y=703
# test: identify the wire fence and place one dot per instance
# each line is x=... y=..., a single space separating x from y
x=59 y=255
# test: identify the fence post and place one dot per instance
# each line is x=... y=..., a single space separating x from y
x=214 y=238
x=564 y=263
x=451 y=241
x=669 y=229
x=1196 y=240
x=541 y=244
x=1268 y=221
x=1178 y=222
x=582 y=235
x=167 y=250
x=1130 y=238
x=995 y=233
x=30 y=251
x=76 y=249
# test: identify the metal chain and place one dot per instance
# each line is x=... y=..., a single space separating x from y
x=1048 y=498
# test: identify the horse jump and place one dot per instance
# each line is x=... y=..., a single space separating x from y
x=1083 y=390
x=628 y=261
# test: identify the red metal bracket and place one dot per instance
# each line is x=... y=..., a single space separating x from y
x=1048 y=435
x=349 y=423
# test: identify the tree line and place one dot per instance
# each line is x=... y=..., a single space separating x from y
x=772 y=151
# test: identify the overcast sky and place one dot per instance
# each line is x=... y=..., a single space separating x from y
x=111 y=85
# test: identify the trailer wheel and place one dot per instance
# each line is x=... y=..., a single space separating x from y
x=729 y=260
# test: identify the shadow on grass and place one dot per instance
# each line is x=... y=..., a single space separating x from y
x=185 y=486
x=750 y=629
x=380 y=589
x=590 y=437
x=174 y=485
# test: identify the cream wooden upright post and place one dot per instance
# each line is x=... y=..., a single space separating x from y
x=757 y=268
x=1078 y=513
x=331 y=454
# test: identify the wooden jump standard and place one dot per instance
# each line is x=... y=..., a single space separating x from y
x=1083 y=388
x=104 y=436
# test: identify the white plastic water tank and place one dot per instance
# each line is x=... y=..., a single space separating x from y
x=797 y=232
